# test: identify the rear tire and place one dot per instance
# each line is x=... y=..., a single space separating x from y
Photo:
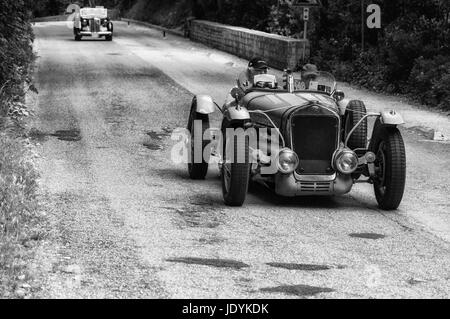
x=355 y=111
x=198 y=170
x=390 y=168
x=235 y=176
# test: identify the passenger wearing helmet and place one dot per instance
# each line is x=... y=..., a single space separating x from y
x=309 y=74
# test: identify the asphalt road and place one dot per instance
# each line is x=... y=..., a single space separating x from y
x=128 y=223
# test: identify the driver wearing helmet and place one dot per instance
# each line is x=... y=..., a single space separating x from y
x=246 y=80
x=256 y=66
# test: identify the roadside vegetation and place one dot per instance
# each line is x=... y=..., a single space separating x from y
x=18 y=176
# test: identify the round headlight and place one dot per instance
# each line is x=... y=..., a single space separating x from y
x=287 y=161
x=346 y=162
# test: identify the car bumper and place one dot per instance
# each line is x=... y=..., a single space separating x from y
x=290 y=186
x=95 y=34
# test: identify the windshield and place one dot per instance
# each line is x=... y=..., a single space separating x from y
x=93 y=13
x=323 y=81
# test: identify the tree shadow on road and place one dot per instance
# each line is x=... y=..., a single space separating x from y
x=270 y=197
x=261 y=193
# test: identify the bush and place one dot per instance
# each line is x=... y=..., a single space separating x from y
x=16 y=52
x=441 y=90
x=283 y=20
x=430 y=81
x=17 y=172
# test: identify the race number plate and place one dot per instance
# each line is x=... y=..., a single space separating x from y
x=313 y=85
x=299 y=85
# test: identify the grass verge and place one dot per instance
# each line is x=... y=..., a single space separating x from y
x=19 y=220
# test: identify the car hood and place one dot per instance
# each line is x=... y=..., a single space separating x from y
x=280 y=105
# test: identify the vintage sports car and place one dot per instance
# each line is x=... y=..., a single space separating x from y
x=93 y=22
x=318 y=141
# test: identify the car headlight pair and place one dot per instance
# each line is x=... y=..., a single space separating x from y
x=346 y=161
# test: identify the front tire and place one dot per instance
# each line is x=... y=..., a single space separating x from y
x=390 y=168
x=77 y=35
x=111 y=29
x=198 y=169
x=235 y=175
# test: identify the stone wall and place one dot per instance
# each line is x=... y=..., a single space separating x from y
x=280 y=52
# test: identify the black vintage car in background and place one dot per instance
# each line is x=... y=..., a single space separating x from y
x=94 y=23
x=321 y=148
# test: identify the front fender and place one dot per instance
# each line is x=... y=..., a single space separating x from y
x=391 y=118
x=233 y=113
x=382 y=126
x=343 y=105
x=204 y=104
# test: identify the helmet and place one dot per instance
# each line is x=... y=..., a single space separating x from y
x=310 y=70
x=258 y=63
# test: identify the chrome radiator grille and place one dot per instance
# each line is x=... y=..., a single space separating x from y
x=94 y=25
x=315 y=187
x=314 y=139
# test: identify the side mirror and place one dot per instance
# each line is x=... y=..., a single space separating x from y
x=339 y=96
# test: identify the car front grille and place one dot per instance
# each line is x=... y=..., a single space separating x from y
x=314 y=139
x=94 y=25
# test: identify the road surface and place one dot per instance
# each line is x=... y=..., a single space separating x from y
x=126 y=222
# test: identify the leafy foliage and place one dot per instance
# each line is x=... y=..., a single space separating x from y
x=431 y=79
x=16 y=53
x=18 y=177
x=410 y=54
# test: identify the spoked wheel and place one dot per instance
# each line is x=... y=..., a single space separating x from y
x=198 y=161
x=390 y=169
x=235 y=170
